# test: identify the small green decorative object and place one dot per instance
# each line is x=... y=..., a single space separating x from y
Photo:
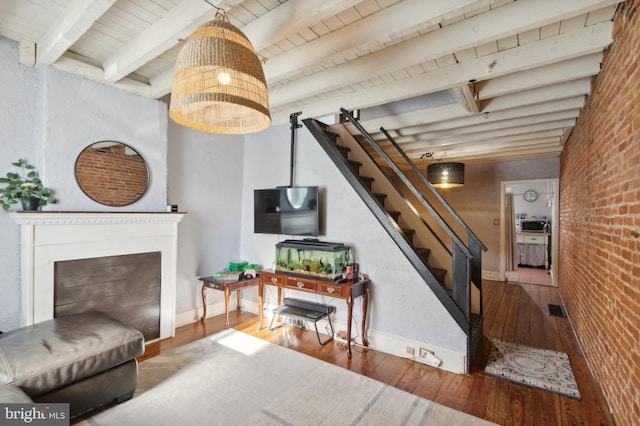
x=25 y=188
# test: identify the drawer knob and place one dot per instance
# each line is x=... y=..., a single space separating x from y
x=274 y=280
x=330 y=289
x=300 y=284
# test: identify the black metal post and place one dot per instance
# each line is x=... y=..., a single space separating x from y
x=293 y=119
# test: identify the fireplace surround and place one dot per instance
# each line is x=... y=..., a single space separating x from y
x=50 y=237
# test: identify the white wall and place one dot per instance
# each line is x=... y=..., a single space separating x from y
x=401 y=304
x=54 y=115
x=79 y=112
x=20 y=120
x=205 y=180
x=48 y=117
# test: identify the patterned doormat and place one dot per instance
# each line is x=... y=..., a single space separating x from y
x=540 y=368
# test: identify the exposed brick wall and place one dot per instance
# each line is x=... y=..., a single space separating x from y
x=599 y=269
x=110 y=176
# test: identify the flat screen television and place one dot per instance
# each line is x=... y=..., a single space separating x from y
x=290 y=211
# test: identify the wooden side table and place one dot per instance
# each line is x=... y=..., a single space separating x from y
x=345 y=291
x=227 y=287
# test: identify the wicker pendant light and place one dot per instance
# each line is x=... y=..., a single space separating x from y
x=218 y=82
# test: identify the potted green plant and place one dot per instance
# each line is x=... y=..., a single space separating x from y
x=25 y=187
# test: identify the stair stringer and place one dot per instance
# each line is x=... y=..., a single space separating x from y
x=387 y=222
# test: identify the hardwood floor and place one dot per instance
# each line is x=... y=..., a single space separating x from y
x=513 y=312
x=527 y=275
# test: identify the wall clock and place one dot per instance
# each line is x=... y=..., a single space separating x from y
x=530 y=195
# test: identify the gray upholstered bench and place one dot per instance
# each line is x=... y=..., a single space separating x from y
x=86 y=360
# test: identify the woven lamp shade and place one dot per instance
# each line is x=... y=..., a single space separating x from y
x=218 y=82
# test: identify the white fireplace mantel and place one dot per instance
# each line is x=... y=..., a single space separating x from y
x=49 y=237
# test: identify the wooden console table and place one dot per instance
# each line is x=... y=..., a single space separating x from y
x=227 y=287
x=346 y=291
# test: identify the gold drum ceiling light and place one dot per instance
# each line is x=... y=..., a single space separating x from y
x=218 y=82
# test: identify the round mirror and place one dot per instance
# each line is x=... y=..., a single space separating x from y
x=112 y=173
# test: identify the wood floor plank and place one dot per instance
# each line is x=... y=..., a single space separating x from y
x=515 y=312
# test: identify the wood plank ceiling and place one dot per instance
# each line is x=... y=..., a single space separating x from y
x=466 y=80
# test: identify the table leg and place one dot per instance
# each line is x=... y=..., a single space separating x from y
x=204 y=302
x=227 y=295
x=365 y=304
x=349 y=316
x=260 y=304
x=238 y=299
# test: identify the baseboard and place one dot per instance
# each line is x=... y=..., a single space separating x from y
x=492 y=276
x=213 y=309
x=454 y=362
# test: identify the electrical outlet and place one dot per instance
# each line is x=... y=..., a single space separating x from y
x=409 y=350
x=425 y=351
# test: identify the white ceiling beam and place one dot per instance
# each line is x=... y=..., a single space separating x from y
x=413 y=118
x=499 y=23
x=373 y=30
x=467 y=97
x=560 y=91
x=553 y=134
x=564 y=46
x=97 y=74
x=289 y=18
x=456 y=154
x=413 y=142
x=573 y=69
x=494 y=125
x=529 y=153
x=283 y=21
x=78 y=17
x=165 y=33
x=524 y=111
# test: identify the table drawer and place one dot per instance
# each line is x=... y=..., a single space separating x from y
x=273 y=279
x=215 y=285
x=300 y=284
x=528 y=239
x=335 y=290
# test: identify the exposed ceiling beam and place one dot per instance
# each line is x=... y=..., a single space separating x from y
x=374 y=30
x=565 y=46
x=481 y=136
x=78 y=17
x=91 y=72
x=524 y=111
x=501 y=22
x=493 y=125
x=573 y=69
x=467 y=97
x=165 y=33
x=283 y=21
x=553 y=134
x=560 y=91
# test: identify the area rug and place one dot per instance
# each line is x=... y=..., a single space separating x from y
x=540 y=368
x=232 y=378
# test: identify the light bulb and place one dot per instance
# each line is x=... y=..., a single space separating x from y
x=224 y=78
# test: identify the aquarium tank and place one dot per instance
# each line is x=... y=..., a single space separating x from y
x=313 y=258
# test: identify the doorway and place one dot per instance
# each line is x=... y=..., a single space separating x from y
x=539 y=203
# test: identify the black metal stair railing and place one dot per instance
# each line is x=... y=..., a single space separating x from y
x=385 y=218
x=475 y=246
x=466 y=260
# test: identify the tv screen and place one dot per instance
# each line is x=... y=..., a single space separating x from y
x=290 y=211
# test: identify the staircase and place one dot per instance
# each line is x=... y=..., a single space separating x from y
x=452 y=283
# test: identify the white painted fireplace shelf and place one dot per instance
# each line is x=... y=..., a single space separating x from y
x=49 y=237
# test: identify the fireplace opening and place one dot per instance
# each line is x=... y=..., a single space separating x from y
x=126 y=287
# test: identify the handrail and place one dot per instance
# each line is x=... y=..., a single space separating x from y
x=439 y=197
x=408 y=183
